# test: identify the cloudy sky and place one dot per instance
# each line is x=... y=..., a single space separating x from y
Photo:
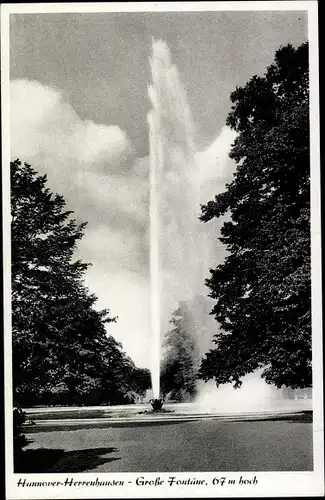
x=79 y=107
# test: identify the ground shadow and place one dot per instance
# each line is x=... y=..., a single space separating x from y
x=59 y=460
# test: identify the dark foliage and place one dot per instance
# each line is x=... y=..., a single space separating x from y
x=263 y=289
x=20 y=441
x=181 y=360
x=61 y=351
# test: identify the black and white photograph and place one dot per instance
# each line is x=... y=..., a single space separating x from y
x=162 y=255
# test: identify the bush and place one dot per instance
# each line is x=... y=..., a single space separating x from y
x=20 y=441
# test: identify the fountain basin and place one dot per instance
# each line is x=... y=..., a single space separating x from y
x=156 y=404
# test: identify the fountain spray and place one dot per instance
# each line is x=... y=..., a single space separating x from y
x=173 y=205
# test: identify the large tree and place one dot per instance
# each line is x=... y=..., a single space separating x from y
x=61 y=351
x=181 y=361
x=263 y=288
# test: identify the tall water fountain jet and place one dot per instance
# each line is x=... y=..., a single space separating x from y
x=156 y=160
x=172 y=198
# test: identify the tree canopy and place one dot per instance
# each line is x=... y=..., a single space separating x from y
x=61 y=351
x=263 y=288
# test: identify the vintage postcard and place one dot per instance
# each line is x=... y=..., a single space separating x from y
x=162 y=250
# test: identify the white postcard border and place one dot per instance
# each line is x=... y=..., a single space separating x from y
x=269 y=483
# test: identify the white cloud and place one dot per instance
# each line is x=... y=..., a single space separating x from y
x=214 y=167
x=127 y=295
x=126 y=194
x=214 y=159
x=44 y=123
